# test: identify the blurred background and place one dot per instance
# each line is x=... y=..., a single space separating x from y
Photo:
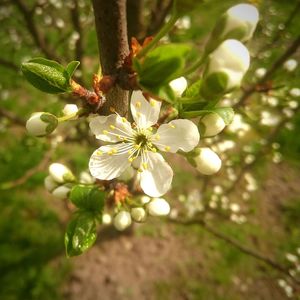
x=253 y=202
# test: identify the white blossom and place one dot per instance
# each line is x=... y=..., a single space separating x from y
x=138 y=214
x=122 y=220
x=70 y=109
x=158 y=207
x=61 y=192
x=290 y=65
x=178 y=85
x=231 y=58
x=50 y=183
x=213 y=123
x=41 y=124
x=60 y=173
x=244 y=17
x=139 y=145
x=260 y=72
x=207 y=162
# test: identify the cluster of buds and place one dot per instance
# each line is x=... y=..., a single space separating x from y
x=156 y=207
x=59 y=181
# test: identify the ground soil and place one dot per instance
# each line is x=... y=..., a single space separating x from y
x=131 y=266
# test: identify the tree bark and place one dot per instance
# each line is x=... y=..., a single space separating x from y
x=111 y=27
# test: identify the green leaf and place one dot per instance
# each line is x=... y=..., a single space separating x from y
x=226 y=113
x=46 y=75
x=81 y=234
x=162 y=65
x=71 y=67
x=193 y=90
x=88 y=198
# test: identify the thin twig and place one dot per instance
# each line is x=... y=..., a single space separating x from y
x=38 y=168
x=9 y=64
x=12 y=117
x=33 y=29
x=237 y=245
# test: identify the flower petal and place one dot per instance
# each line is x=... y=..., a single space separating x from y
x=110 y=161
x=145 y=114
x=157 y=178
x=112 y=128
x=177 y=135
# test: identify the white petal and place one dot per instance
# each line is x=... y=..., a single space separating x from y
x=111 y=128
x=177 y=135
x=157 y=179
x=145 y=114
x=107 y=162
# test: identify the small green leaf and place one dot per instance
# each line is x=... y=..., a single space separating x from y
x=193 y=90
x=88 y=198
x=162 y=65
x=81 y=234
x=71 y=67
x=46 y=75
x=226 y=113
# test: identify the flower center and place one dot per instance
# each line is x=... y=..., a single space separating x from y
x=141 y=140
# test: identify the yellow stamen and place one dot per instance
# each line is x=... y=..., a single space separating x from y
x=112 y=127
x=145 y=166
x=167 y=148
x=172 y=125
x=152 y=103
x=104 y=131
x=138 y=104
x=124 y=120
x=99 y=152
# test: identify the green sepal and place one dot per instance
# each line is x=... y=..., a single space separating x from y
x=88 y=198
x=51 y=120
x=193 y=90
x=214 y=85
x=81 y=233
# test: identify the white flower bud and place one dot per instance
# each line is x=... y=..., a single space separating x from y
x=290 y=65
x=138 y=214
x=232 y=59
x=213 y=123
x=243 y=18
x=86 y=178
x=50 y=183
x=70 y=109
x=158 y=207
x=41 y=124
x=61 y=192
x=178 y=86
x=122 y=220
x=145 y=199
x=60 y=173
x=106 y=219
x=260 y=72
x=207 y=162
x=295 y=92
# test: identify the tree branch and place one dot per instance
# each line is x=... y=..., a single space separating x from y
x=9 y=64
x=12 y=117
x=37 y=36
x=237 y=245
x=276 y=65
x=111 y=27
x=135 y=24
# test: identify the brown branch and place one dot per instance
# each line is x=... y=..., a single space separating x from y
x=236 y=244
x=276 y=65
x=37 y=36
x=9 y=64
x=158 y=16
x=12 y=117
x=111 y=28
x=135 y=24
x=38 y=168
x=75 y=14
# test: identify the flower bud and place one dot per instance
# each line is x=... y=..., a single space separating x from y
x=295 y=92
x=260 y=72
x=86 y=178
x=50 y=183
x=226 y=68
x=207 y=162
x=138 y=214
x=122 y=220
x=106 y=219
x=290 y=65
x=61 y=192
x=60 y=173
x=158 y=207
x=178 y=86
x=70 y=109
x=213 y=124
x=41 y=124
